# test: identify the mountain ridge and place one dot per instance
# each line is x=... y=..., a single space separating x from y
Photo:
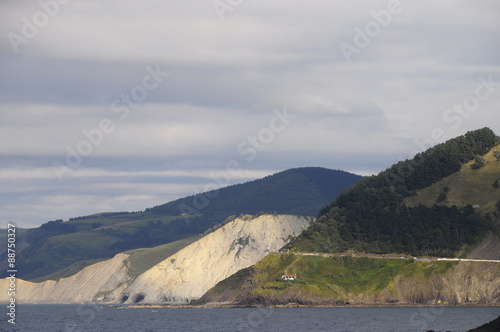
x=52 y=248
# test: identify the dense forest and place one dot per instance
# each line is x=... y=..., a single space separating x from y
x=299 y=191
x=370 y=216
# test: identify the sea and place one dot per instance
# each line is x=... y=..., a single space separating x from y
x=98 y=318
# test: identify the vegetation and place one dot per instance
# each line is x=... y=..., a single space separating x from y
x=300 y=191
x=496 y=154
x=69 y=271
x=371 y=216
x=479 y=162
x=57 y=245
x=143 y=259
x=466 y=187
x=326 y=277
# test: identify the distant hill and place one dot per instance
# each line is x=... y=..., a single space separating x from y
x=62 y=248
x=299 y=191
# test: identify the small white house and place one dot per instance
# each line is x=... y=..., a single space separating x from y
x=292 y=276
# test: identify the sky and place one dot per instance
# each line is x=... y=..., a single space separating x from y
x=122 y=105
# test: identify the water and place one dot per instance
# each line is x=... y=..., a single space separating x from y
x=83 y=318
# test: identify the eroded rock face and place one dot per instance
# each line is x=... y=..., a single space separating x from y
x=468 y=282
x=188 y=274
x=91 y=282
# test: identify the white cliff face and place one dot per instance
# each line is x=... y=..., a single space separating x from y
x=96 y=279
x=186 y=275
x=191 y=272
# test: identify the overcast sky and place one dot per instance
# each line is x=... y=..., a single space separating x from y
x=121 y=105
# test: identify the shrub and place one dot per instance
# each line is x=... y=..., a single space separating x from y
x=479 y=162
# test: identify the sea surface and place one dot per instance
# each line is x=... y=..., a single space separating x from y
x=96 y=318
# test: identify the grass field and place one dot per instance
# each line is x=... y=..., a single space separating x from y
x=469 y=186
x=141 y=260
x=334 y=277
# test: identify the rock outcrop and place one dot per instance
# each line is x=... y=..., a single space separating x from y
x=191 y=272
x=464 y=283
x=493 y=326
x=186 y=275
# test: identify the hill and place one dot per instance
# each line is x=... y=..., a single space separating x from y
x=385 y=213
x=344 y=280
x=184 y=274
x=442 y=203
x=469 y=186
x=299 y=191
x=61 y=248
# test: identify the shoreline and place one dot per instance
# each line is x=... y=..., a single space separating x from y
x=291 y=305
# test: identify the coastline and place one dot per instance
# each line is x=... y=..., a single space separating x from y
x=292 y=305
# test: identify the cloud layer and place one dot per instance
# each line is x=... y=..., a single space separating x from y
x=89 y=78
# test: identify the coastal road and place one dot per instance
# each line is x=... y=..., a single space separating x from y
x=322 y=254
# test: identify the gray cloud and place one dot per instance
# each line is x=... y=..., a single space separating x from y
x=226 y=78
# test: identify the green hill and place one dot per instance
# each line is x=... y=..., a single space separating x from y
x=61 y=248
x=345 y=280
x=466 y=187
x=442 y=203
x=385 y=213
x=299 y=191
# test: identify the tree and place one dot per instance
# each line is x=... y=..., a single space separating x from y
x=496 y=154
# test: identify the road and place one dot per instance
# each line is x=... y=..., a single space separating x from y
x=322 y=254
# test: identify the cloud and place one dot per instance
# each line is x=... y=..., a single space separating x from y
x=47 y=173
x=225 y=79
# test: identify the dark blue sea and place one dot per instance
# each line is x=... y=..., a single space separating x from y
x=96 y=318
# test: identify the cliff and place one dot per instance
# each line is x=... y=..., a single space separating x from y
x=99 y=278
x=359 y=280
x=185 y=275
x=191 y=272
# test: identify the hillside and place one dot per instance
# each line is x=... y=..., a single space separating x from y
x=466 y=187
x=407 y=210
x=383 y=214
x=185 y=274
x=61 y=248
x=343 y=280
x=191 y=272
x=299 y=191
